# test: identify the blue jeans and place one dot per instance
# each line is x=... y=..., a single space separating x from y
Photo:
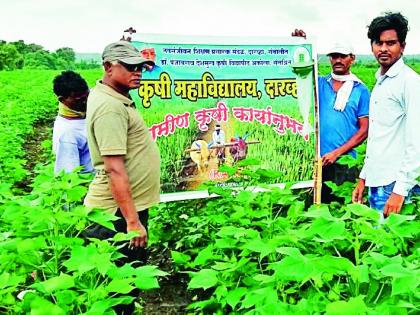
x=378 y=196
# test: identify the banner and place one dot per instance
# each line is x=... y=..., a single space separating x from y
x=211 y=104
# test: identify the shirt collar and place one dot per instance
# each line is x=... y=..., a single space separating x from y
x=393 y=71
x=110 y=91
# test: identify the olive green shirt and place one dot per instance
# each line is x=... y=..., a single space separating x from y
x=115 y=127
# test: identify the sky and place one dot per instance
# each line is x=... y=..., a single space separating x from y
x=89 y=25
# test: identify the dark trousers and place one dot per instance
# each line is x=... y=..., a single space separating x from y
x=137 y=256
x=338 y=174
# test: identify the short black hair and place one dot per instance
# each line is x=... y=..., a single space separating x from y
x=388 y=21
x=69 y=82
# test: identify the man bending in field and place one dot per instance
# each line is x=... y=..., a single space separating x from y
x=126 y=159
x=69 y=134
x=392 y=163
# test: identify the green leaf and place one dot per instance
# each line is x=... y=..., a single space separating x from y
x=260 y=297
x=328 y=230
x=83 y=259
x=250 y=300
x=221 y=191
x=319 y=211
x=264 y=279
x=379 y=260
x=51 y=285
x=147 y=283
x=290 y=251
x=360 y=274
x=147 y=277
x=396 y=271
x=205 y=278
x=403 y=285
x=363 y=211
x=76 y=193
x=354 y=306
x=292 y=269
x=40 y=306
x=295 y=210
x=66 y=297
x=103 y=218
x=10 y=280
x=30 y=244
x=235 y=295
x=332 y=265
x=268 y=174
x=204 y=256
x=397 y=219
x=149 y=271
x=221 y=292
x=100 y=307
x=122 y=237
x=230 y=170
x=120 y=286
x=248 y=162
x=403 y=225
x=263 y=247
x=180 y=258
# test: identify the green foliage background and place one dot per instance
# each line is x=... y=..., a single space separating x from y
x=19 y=55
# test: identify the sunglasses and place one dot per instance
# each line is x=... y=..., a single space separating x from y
x=134 y=68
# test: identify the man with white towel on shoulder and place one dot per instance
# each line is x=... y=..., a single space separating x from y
x=343 y=116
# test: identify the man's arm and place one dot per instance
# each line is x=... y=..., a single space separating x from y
x=121 y=191
x=353 y=142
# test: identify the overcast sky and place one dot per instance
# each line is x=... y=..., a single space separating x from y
x=88 y=25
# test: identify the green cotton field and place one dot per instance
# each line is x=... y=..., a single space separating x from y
x=244 y=252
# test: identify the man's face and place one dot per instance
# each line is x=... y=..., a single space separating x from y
x=148 y=53
x=127 y=76
x=388 y=49
x=76 y=101
x=341 y=63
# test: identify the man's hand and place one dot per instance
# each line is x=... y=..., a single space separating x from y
x=299 y=33
x=121 y=191
x=138 y=241
x=393 y=204
x=357 y=196
x=330 y=158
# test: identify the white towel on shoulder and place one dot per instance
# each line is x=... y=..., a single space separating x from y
x=344 y=91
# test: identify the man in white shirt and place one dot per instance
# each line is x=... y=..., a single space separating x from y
x=219 y=135
x=219 y=139
x=69 y=134
x=392 y=163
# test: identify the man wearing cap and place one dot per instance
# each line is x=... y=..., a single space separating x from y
x=343 y=115
x=219 y=139
x=219 y=135
x=126 y=159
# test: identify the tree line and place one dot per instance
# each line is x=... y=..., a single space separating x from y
x=19 y=55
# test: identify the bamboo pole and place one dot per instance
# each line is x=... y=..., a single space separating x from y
x=318 y=160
